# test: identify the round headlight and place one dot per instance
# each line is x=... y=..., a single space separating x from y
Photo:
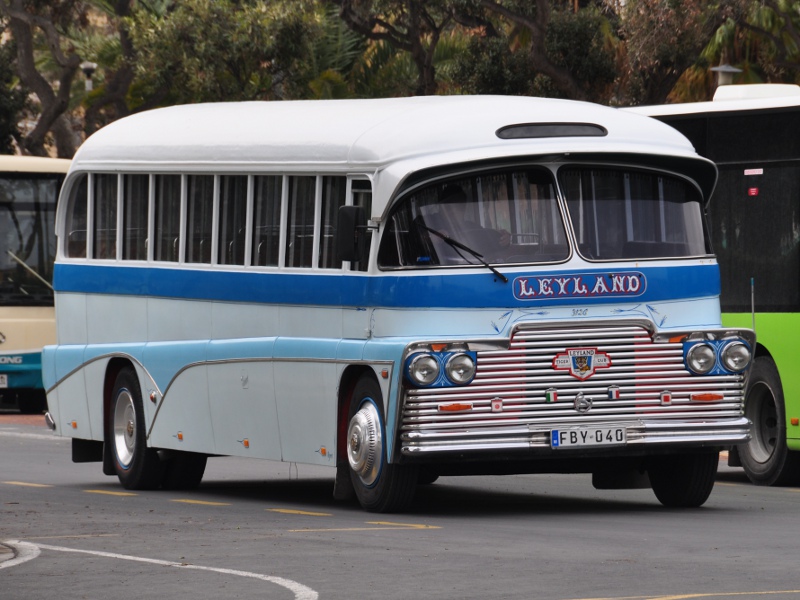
x=423 y=369
x=460 y=368
x=736 y=356
x=701 y=358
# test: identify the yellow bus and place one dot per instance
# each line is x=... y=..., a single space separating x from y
x=29 y=189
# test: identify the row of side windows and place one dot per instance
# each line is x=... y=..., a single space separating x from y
x=259 y=220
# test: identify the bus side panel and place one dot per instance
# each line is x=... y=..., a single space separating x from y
x=71 y=319
x=183 y=420
x=68 y=406
x=243 y=410
x=306 y=380
x=170 y=320
x=116 y=319
x=773 y=331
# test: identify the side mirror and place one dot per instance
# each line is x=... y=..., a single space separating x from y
x=351 y=233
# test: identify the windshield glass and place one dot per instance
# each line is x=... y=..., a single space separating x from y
x=501 y=217
x=627 y=214
x=27 y=238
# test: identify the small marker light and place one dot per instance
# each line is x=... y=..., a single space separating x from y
x=246 y=443
x=708 y=397
x=385 y=373
x=74 y=424
x=180 y=436
x=795 y=421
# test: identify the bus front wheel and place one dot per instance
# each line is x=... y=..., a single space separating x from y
x=765 y=458
x=684 y=480
x=379 y=486
x=137 y=466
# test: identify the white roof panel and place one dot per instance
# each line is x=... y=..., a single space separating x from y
x=338 y=134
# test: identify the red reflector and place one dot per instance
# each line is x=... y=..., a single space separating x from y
x=795 y=421
x=752 y=191
x=706 y=397
x=456 y=407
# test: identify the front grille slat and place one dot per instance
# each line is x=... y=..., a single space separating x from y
x=520 y=376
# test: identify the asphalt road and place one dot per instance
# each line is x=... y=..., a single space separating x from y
x=257 y=529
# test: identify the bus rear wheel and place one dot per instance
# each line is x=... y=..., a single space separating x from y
x=137 y=466
x=379 y=486
x=765 y=458
x=683 y=480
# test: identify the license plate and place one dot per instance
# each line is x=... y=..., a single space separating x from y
x=587 y=436
x=3 y=381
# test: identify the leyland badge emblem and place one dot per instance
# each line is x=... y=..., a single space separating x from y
x=581 y=362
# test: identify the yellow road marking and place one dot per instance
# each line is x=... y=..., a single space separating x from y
x=110 y=493
x=25 y=484
x=299 y=512
x=201 y=502
x=404 y=525
x=377 y=526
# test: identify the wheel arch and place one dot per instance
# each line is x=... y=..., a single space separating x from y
x=347 y=382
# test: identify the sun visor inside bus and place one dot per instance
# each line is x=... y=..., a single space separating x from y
x=550 y=130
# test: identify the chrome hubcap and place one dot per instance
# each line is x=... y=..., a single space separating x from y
x=124 y=428
x=364 y=443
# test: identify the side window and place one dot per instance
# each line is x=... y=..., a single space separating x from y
x=168 y=214
x=266 y=220
x=361 y=190
x=232 y=219
x=199 y=218
x=75 y=246
x=105 y=216
x=134 y=218
x=333 y=196
x=300 y=224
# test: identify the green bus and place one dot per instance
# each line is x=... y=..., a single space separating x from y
x=752 y=133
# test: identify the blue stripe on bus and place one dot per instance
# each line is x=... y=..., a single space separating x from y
x=429 y=290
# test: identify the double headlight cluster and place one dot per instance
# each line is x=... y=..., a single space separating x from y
x=440 y=367
x=717 y=356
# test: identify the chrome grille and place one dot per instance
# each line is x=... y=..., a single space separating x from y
x=518 y=378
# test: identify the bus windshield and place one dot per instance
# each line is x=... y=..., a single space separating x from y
x=27 y=238
x=502 y=217
x=627 y=214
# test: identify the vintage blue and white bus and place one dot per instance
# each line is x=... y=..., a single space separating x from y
x=400 y=289
x=29 y=187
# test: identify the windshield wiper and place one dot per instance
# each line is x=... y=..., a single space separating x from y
x=458 y=245
x=30 y=270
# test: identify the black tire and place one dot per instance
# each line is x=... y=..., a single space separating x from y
x=683 y=480
x=137 y=466
x=379 y=486
x=765 y=458
x=184 y=470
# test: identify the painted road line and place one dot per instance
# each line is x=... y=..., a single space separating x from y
x=375 y=526
x=26 y=484
x=23 y=553
x=109 y=493
x=305 y=513
x=200 y=502
x=300 y=591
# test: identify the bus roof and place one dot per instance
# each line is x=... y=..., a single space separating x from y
x=33 y=164
x=331 y=133
x=730 y=98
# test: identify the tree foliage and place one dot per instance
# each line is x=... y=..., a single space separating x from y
x=159 y=52
x=211 y=50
